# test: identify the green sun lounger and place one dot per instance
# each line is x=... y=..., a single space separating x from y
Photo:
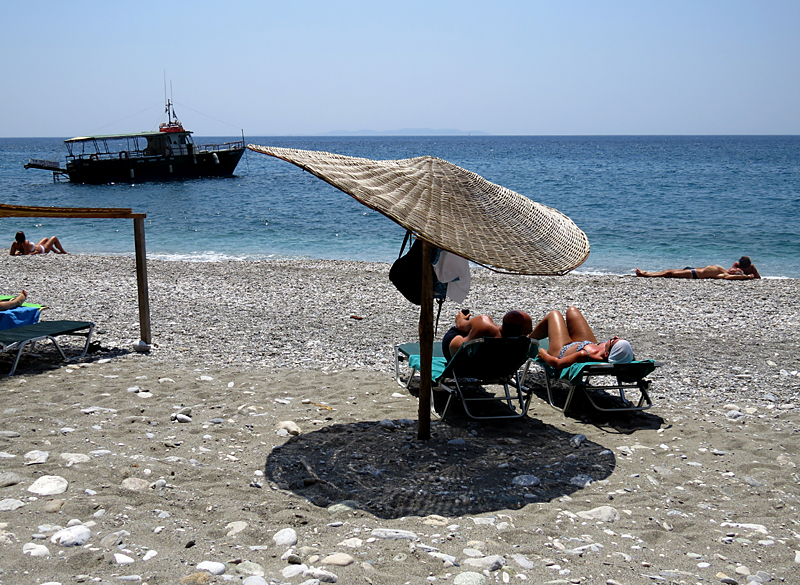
x=18 y=338
x=480 y=362
x=593 y=380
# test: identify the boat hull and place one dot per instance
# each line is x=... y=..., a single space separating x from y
x=219 y=163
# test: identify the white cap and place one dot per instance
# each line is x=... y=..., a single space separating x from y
x=621 y=353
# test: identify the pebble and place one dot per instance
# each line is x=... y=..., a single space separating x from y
x=54 y=505
x=393 y=534
x=285 y=537
x=213 y=567
x=577 y=440
x=10 y=504
x=338 y=559
x=35 y=550
x=9 y=478
x=526 y=481
x=249 y=568
x=72 y=536
x=235 y=527
x=135 y=484
x=490 y=563
x=73 y=458
x=36 y=457
x=290 y=427
x=469 y=578
x=600 y=514
x=49 y=485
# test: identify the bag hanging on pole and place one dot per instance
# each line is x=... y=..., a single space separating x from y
x=406 y=273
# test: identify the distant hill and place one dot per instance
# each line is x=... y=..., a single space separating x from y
x=406 y=132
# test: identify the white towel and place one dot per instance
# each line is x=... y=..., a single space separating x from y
x=454 y=271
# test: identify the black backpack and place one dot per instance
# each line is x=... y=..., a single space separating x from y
x=406 y=274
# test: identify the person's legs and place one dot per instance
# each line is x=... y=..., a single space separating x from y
x=555 y=329
x=52 y=244
x=14 y=303
x=577 y=326
x=672 y=273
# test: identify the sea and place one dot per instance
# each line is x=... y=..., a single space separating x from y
x=651 y=202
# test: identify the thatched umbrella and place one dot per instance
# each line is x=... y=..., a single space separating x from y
x=455 y=210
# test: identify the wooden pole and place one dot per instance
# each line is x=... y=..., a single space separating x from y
x=425 y=345
x=141 y=280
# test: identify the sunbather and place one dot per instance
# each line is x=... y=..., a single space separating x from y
x=14 y=303
x=572 y=341
x=744 y=269
x=467 y=328
x=21 y=247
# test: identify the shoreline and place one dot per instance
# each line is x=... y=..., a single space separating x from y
x=702 y=487
x=220 y=257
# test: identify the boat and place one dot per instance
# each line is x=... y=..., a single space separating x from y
x=167 y=154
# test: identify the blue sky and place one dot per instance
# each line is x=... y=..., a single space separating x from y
x=310 y=67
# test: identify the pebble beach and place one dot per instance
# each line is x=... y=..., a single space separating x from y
x=263 y=438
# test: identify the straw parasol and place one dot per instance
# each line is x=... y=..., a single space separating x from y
x=456 y=210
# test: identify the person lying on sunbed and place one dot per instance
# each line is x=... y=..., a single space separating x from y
x=572 y=341
x=744 y=269
x=467 y=328
x=14 y=303
x=22 y=247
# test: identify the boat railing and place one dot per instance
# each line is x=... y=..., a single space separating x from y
x=220 y=147
x=107 y=155
x=112 y=154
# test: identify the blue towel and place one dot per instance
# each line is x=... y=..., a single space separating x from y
x=18 y=317
x=437 y=367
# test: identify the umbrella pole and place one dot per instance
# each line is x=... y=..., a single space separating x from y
x=425 y=345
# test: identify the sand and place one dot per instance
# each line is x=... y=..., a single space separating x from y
x=702 y=488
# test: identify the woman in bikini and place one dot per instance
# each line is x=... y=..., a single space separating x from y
x=22 y=247
x=572 y=341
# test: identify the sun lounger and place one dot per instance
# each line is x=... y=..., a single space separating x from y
x=18 y=338
x=479 y=362
x=592 y=379
x=409 y=352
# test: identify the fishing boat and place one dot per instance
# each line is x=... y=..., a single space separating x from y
x=167 y=154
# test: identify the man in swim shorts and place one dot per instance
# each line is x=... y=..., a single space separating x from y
x=744 y=269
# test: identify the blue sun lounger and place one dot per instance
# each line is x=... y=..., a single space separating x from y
x=18 y=338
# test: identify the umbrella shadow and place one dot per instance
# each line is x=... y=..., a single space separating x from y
x=466 y=468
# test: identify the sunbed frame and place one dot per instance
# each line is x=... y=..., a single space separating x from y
x=583 y=378
x=18 y=338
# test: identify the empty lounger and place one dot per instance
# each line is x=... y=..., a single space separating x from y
x=18 y=338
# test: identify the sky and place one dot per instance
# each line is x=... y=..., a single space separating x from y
x=527 y=67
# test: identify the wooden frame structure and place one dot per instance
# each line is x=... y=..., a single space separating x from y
x=103 y=213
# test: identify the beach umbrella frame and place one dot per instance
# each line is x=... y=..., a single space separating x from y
x=456 y=210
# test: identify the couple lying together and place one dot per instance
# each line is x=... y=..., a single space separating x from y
x=571 y=338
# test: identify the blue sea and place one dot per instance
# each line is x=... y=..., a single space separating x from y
x=652 y=202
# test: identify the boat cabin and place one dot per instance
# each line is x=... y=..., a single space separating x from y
x=140 y=145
